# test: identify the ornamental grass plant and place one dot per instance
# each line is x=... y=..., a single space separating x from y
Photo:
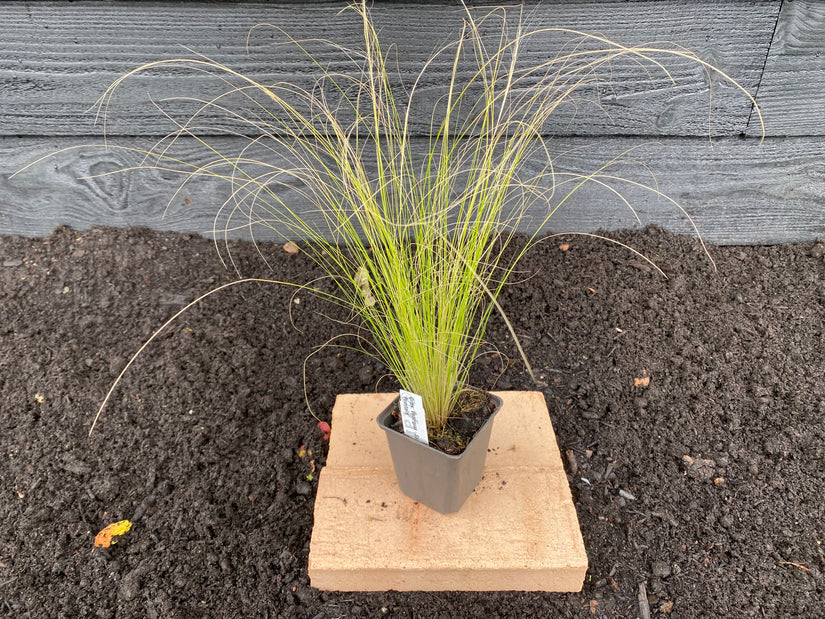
x=416 y=240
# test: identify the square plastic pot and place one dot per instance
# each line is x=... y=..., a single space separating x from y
x=438 y=480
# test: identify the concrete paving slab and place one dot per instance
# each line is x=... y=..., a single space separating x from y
x=517 y=531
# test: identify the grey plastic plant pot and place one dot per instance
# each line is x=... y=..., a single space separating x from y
x=438 y=480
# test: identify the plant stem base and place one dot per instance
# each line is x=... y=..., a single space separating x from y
x=517 y=531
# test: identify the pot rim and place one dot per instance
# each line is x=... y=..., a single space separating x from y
x=387 y=413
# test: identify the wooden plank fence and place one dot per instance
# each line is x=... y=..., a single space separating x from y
x=57 y=58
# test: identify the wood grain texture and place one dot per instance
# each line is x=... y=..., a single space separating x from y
x=737 y=191
x=56 y=59
x=792 y=92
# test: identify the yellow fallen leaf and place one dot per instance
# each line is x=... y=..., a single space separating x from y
x=40 y=398
x=104 y=538
x=564 y=246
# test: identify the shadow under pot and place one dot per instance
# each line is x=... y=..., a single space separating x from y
x=440 y=481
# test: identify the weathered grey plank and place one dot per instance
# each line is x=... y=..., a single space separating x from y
x=737 y=191
x=792 y=92
x=56 y=58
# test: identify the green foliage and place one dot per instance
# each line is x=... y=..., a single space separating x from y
x=417 y=244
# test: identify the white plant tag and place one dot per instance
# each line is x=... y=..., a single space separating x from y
x=412 y=416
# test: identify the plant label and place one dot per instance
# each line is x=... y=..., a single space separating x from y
x=412 y=416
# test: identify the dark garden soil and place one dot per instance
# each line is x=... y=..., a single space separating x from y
x=691 y=411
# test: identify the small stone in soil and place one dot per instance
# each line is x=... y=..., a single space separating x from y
x=572 y=463
x=726 y=521
x=661 y=569
x=365 y=375
x=129 y=586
